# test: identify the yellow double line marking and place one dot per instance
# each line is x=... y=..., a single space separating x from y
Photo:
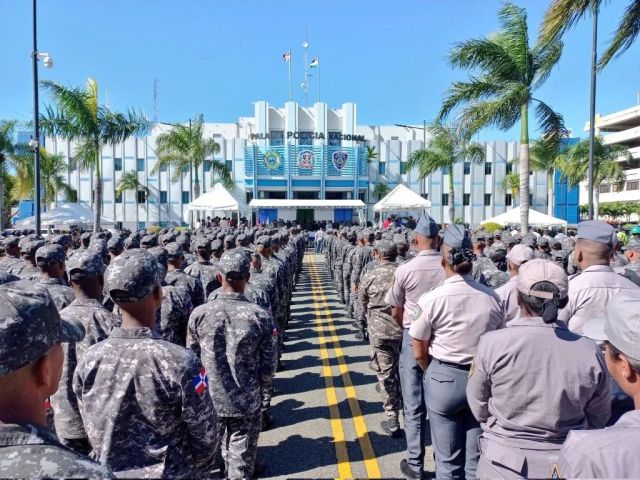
x=321 y=308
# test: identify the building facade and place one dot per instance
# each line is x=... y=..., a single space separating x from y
x=296 y=152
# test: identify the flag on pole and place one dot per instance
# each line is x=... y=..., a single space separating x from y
x=314 y=63
x=287 y=56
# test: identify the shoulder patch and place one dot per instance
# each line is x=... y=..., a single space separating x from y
x=200 y=381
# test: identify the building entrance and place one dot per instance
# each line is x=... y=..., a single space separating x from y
x=304 y=216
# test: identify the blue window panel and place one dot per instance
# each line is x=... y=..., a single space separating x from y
x=185 y=197
x=117 y=164
x=264 y=182
x=163 y=196
x=152 y=179
x=107 y=157
x=339 y=183
x=305 y=183
x=229 y=165
x=140 y=165
x=382 y=168
x=248 y=181
x=363 y=184
x=207 y=165
x=267 y=215
x=343 y=215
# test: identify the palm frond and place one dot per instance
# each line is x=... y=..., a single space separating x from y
x=551 y=125
x=220 y=169
x=545 y=56
x=626 y=33
x=485 y=54
x=129 y=181
x=474 y=152
x=502 y=112
x=86 y=154
x=475 y=88
x=561 y=16
x=543 y=156
x=116 y=127
x=514 y=36
x=73 y=103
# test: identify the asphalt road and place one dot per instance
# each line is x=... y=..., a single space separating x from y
x=327 y=412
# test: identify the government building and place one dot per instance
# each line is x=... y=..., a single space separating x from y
x=293 y=152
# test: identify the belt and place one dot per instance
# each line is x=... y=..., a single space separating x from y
x=454 y=365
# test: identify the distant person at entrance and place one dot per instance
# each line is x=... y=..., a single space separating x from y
x=319 y=239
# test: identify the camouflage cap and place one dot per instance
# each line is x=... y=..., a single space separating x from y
x=149 y=241
x=30 y=247
x=168 y=237
x=11 y=241
x=86 y=236
x=234 y=261
x=182 y=240
x=386 y=248
x=133 y=241
x=86 y=262
x=50 y=254
x=132 y=276
x=61 y=239
x=30 y=325
x=230 y=240
x=633 y=244
x=264 y=240
x=174 y=250
x=203 y=243
x=161 y=256
x=216 y=245
x=115 y=243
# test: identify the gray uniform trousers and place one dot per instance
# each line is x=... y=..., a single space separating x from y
x=415 y=413
x=384 y=360
x=508 y=461
x=239 y=444
x=454 y=429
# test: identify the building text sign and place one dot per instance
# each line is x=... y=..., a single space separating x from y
x=311 y=136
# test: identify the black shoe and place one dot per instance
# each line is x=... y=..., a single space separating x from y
x=267 y=421
x=391 y=426
x=407 y=471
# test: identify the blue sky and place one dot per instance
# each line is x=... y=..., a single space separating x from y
x=217 y=57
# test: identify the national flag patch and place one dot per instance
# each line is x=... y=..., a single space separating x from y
x=274 y=334
x=200 y=381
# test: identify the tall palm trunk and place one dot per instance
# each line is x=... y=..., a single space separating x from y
x=596 y=203
x=97 y=188
x=124 y=209
x=524 y=169
x=551 y=193
x=452 y=206
x=137 y=211
x=2 y=219
x=196 y=190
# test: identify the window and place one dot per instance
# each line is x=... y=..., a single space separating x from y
x=305 y=138
x=633 y=185
x=361 y=196
x=395 y=139
x=334 y=139
x=467 y=168
x=487 y=168
x=163 y=196
x=72 y=197
x=509 y=168
x=185 y=169
x=530 y=199
x=185 y=197
x=403 y=168
x=229 y=165
x=445 y=199
x=466 y=199
x=382 y=168
x=140 y=164
x=117 y=164
x=425 y=196
x=119 y=197
x=277 y=137
x=206 y=165
x=163 y=167
x=604 y=189
x=508 y=200
x=445 y=170
x=142 y=196
x=487 y=199
x=73 y=164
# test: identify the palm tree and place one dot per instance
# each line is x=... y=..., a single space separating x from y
x=53 y=169
x=380 y=190
x=80 y=118
x=449 y=145
x=564 y=14
x=502 y=92
x=371 y=155
x=511 y=183
x=574 y=166
x=7 y=149
x=129 y=181
x=185 y=148
x=544 y=158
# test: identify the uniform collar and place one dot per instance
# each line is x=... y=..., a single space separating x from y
x=25 y=434
x=424 y=253
x=133 y=333
x=51 y=281
x=536 y=322
x=598 y=268
x=232 y=295
x=628 y=420
x=92 y=302
x=458 y=278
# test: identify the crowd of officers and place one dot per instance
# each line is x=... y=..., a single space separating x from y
x=139 y=354
x=518 y=350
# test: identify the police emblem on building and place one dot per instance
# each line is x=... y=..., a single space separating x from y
x=271 y=160
x=340 y=160
x=306 y=160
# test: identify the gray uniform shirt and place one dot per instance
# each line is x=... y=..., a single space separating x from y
x=508 y=293
x=608 y=453
x=533 y=382
x=412 y=279
x=589 y=294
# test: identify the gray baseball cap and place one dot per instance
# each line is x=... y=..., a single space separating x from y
x=620 y=324
x=427 y=226
x=456 y=237
x=234 y=261
x=86 y=262
x=539 y=270
x=132 y=276
x=597 y=231
x=30 y=247
x=30 y=325
x=115 y=243
x=520 y=254
x=50 y=254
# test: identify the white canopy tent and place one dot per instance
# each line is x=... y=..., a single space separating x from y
x=401 y=198
x=64 y=215
x=217 y=200
x=536 y=219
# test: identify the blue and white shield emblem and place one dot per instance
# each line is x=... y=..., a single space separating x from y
x=306 y=160
x=340 y=160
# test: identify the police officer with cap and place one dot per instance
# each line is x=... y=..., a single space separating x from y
x=613 y=451
x=30 y=366
x=411 y=280
x=51 y=262
x=526 y=417
x=12 y=253
x=517 y=256
x=591 y=291
x=446 y=331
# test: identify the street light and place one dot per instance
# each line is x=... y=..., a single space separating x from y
x=35 y=140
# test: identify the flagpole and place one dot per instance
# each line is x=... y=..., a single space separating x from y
x=289 y=74
x=318 y=58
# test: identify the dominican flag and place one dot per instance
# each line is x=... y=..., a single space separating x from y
x=287 y=56
x=314 y=63
x=200 y=381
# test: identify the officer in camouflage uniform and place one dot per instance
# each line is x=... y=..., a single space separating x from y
x=28 y=270
x=176 y=276
x=51 y=262
x=262 y=280
x=483 y=267
x=402 y=245
x=337 y=263
x=185 y=243
x=115 y=245
x=385 y=334
x=543 y=251
x=204 y=269
x=361 y=257
x=144 y=401
x=236 y=341
x=30 y=363
x=12 y=254
x=86 y=271
x=347 y=267
x=632 y=253
x=273 y=267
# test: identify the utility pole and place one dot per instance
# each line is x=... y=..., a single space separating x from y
x=592 y=107
x=36 y=121
x=155 y=100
